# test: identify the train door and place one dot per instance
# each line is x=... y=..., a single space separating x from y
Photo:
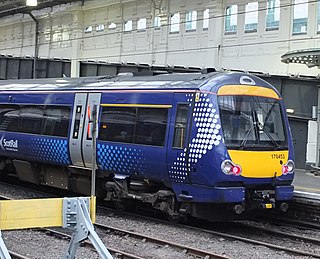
x=80 y=142
x=75 y=140
x=87 y=144
x=178 y=141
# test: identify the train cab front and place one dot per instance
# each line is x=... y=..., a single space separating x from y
x=259 y=147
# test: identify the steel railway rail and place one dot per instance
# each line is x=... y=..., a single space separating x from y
x=106 y=229
x=304 y=211
x=243 y=239
x=306 y=207
x=276 y=233
x=15 y=255
x=186 y=249
x=144 y=238
x=62 y=235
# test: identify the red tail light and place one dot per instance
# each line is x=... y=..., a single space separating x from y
x=228 y=167
x=288 y=168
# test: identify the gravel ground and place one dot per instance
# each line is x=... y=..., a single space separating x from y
x=35 y=244
x=194 y=238
x=38 y=245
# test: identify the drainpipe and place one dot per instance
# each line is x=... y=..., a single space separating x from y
x=36 y=44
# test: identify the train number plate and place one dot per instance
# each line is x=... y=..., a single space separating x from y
x=278 y=156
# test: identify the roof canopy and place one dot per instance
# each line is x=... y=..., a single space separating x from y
x=11 y=7
x=309 y=57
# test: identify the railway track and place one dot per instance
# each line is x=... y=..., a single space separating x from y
x=102 y=229
x=113 y=251
x=237 y=236
x=273 y=233
x=106 y=230
x=304 y=212
x=305 y=208
x=185 y=249
x=15 y=255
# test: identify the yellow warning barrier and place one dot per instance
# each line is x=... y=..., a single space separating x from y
x=33 y=213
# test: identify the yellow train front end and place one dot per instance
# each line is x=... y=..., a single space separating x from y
x=259 y=145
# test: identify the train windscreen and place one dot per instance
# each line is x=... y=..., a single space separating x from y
x=252 y=123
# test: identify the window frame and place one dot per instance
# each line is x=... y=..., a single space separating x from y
x=275 y=23
x=128 y=26
x=299 y=5
x=68 y=119
x=43 y=107
x=205 y=19
x=251 y=14
x=185 y=105
x=143 y=22
x=157 y=22
x=191 y=21
x=174 y=26
x=136 y=125
x=15 y=108
x=38 y=118
x=229 y=17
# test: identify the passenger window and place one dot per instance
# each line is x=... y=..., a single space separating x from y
x=9 y=118
x=56 y=121
x=31 y=119
x=180 y=127
x=151 y=126
x=145 y=126
x=117 y=124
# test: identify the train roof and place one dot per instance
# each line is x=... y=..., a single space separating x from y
x=127 y=81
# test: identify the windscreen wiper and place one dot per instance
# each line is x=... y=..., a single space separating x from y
x=245 y=139
x=276 y=145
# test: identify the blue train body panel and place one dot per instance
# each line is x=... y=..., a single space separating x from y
x=196 y=159
x=34 y=148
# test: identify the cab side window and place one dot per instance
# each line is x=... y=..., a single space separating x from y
x=180 y=126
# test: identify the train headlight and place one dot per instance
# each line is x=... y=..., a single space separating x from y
x=288 y=168
x=228 y=167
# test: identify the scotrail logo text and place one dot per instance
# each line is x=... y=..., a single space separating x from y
x=9 y=144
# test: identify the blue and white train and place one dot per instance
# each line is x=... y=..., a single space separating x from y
x=185 y=143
